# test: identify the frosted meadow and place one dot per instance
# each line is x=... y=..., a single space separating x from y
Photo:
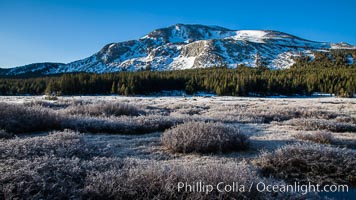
x=113 y=147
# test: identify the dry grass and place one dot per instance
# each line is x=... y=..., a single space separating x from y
x=46 y=104
x=49 y=167
x=322 y=124
x=17 y=118
x=41 y=178
x=69 y=165
x=310 y=162
x=65 y=144
x=121 y=125
x=62 y=166
x=317 y=137
x=105 y=109
x=262 y=113
x=49 y=177
x=143 y=179
x=204 y=138
x=283 y=114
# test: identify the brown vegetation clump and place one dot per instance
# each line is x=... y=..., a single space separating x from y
x=204 y=137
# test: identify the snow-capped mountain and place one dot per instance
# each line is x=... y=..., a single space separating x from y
x=191 y=46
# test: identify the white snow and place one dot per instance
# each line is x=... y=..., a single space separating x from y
x=342 y=45
x=224 y=52
x=179 y=34
x=283 y=60
x=250 y=35
x=181 y=62
x=112 y=45
x=310 y=55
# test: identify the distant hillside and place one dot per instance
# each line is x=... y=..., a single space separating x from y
x=326 y=72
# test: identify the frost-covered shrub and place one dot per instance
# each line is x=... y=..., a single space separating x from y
x=142 y=179
x=106 y=109
x=60 y=144
x=204 y=137
x=266 y=114
x=310 y=162
x=318 y=137
x=50 y=167
x=41 y=178
x=5 y=135
x=49 y=177
x=16 y=118
x=322 y=124
x=269 y=115
x=346 y=119
x=121 y=125
x=46 y=104
x=316 y=113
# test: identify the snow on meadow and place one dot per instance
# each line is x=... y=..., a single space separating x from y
x=141 y=147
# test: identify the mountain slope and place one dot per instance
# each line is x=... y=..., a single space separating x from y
x=195 y=46
x=31 y=69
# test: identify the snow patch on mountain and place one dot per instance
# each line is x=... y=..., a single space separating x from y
x=284 y=60
x=181 y=62
x=342 y=45
x=250 y=35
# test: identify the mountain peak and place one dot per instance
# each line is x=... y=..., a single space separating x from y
x=185 y=33
x=199 y=26
x=185 y=46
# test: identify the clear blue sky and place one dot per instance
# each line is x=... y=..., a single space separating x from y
x=67 y=30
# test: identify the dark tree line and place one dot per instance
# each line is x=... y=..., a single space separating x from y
x=326 y=73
